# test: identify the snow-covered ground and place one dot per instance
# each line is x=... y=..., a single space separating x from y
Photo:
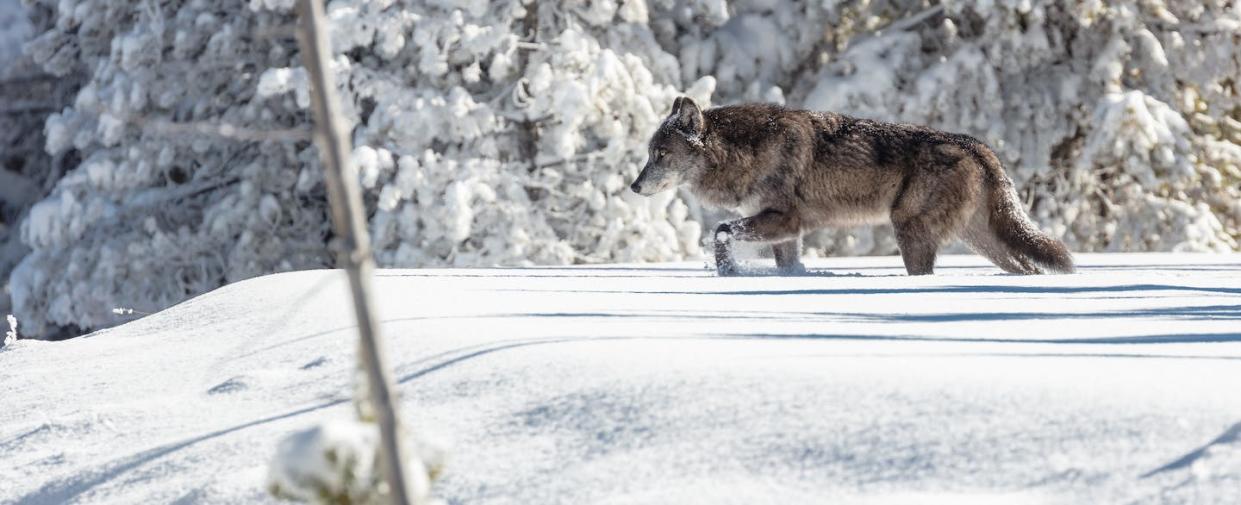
x=665 y=384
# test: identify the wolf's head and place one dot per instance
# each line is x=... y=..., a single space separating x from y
x=675 y=152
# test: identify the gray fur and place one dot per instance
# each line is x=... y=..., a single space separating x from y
x=789 y=172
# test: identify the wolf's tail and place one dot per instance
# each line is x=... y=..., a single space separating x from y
x=1027 y=247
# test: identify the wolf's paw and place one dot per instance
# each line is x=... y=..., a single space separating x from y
x=727 y=269
x=794 y=269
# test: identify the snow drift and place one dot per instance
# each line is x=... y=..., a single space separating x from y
x=665 y=384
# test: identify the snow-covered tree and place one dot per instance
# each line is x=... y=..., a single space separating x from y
x=154 y=214
x=506 y=131
x=1118 y=121
x=27 y=95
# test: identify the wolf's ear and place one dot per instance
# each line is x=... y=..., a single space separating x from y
x=689 y=116
x=676 y=106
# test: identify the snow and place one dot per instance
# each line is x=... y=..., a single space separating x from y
x=302 y=457
x=666 y=384
x=338 y=459
x=10 y=336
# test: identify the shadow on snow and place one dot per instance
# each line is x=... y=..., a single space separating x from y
x=68 y=489
x=999 y=289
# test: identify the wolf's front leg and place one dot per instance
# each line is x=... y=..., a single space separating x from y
x=788 y=256
x=725 y=265
x=770 y=225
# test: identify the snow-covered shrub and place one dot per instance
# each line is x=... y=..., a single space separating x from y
x=338 y=463
x=10 y=336
x=505 y=132
x=1115 y=119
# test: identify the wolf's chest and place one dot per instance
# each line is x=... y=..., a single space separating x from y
x=728 y=197
x=745 y=206
x=749 y=206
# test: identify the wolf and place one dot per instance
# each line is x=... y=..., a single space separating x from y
x=788 y=172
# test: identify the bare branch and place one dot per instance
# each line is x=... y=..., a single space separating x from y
x=26 y=79
x=29 y=108
x=349 y=221
x=277 y=32
x=159 y=126
x=224 y=130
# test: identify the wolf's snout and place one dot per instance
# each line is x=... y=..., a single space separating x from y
x=637 y=181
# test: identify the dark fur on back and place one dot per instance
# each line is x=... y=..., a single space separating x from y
x=792 y=171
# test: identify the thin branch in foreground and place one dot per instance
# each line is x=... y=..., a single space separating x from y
x=349 y=221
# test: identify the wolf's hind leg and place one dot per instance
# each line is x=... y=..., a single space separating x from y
x=921 y=229
x=918 y=248
x=769 y=225
x=788 y=256
x=934 y=205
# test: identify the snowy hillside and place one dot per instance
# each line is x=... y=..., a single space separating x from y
x=665 y=384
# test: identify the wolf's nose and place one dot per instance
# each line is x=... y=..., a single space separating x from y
x=635 y=187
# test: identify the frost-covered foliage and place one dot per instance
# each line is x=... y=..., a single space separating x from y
x=1119 y=121
x=505 y=132
x=487 y=133
x=10 y=336
x=15 y=29
x=338 y=463
x=27 y=95
x=149 y=217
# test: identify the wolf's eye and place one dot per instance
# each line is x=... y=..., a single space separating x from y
x=659 y=154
